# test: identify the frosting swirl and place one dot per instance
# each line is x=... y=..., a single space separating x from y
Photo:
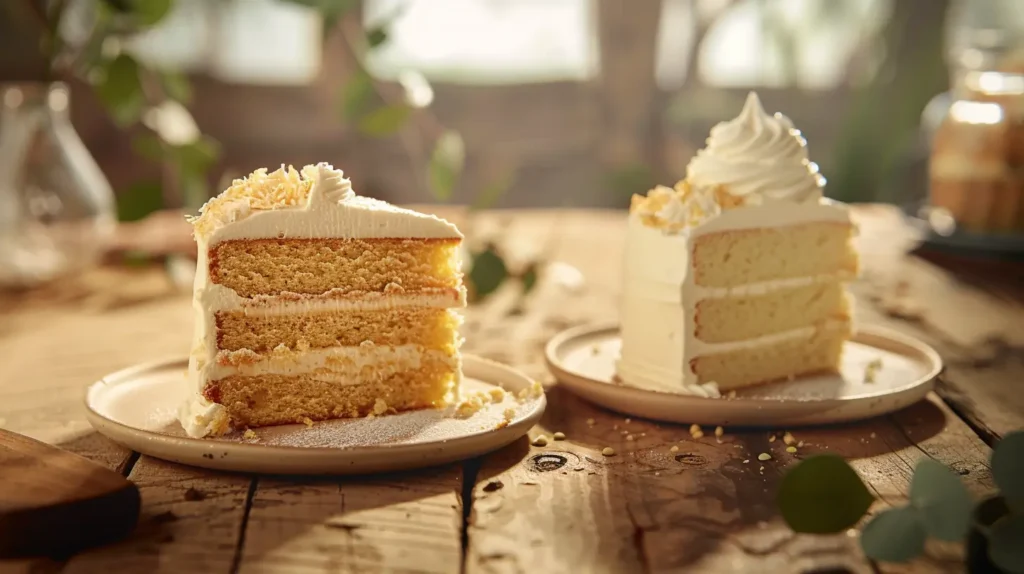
x=758 y=158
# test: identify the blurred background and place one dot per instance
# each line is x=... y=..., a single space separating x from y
x=115 y=109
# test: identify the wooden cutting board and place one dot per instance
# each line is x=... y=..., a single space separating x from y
x=54 y=503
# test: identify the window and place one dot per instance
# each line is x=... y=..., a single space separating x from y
x=486 y=41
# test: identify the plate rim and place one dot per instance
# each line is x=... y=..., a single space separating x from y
x=98 y=420
x=860 y=331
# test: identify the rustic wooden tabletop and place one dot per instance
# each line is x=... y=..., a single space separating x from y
x=525 y=508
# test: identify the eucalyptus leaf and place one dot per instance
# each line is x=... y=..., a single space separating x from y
x=943 y=500
x=446 y=164
x=150 y=12
x=1006 y=543
x=139 y=200
x=376 y=36
x=384 y=121
x=487 y=272
x=1008 y=469
x=176 y=86
x=822 y=495
x=120 y=89
x=529 y=278
x=148 y=146
x=894 y=535
x=357 y=96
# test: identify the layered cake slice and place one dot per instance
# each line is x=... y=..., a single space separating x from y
x=314 y=303
x=737 y=275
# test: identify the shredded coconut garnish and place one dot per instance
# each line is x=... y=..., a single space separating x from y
x=286 y=187
x=681 y=207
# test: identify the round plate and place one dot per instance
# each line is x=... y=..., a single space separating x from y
x=583 y=359
x=137 y=407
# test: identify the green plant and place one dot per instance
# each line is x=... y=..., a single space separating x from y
x=823 y=494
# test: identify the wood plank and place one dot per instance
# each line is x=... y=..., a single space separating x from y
x=699 y=508
x=399 y=523
x=192 y=521
x=970 y=311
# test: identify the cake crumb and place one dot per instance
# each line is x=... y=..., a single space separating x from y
x=746 y=461
x=627 y=421
x=694 y=428
x=497 y=394
x=788 y=438
x=800 y=444
x=591 y=422
x=872 y=369
x=250 y=434
x=657 y=474
x=674 y=449
x=764 y=456
x=608 y=451
x=719 y=431
x=380 y=407
x=873 y=435
x=771 y=438
x=629 y=437
x=307 y=421
x=731 y=394
x=790 y=449
x=541 y=440
x=509 y=414
x=559 y=435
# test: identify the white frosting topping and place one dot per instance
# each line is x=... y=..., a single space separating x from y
x=315 y=202
x=757 y=157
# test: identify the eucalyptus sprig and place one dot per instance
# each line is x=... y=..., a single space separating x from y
x=823 y=494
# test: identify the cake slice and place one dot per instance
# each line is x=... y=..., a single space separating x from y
x=313 y=303
x=737 y=275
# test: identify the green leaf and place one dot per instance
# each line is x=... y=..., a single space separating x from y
x=150 y=12
x=176 y=86
x=120 y=89
x=894 y=535
x=943 y=500
x=357 y=96
x=139 y=200
x=198 y=156
x=446 y=164
x=376 y=36
x=384 y=121
x=149 y=146
x=490 y=194
x=823 y=494
x=1008 y=469
x=487 y=272
x=1005 y=547
x=529 y=278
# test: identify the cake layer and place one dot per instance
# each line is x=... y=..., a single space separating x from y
x=254 y=267
x=429 y=327
x=337 y=364
x=721 y=320
x=737 y=257
x=819 y=352
x=280 y=399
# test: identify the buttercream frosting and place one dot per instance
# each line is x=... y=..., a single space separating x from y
x=758 y=157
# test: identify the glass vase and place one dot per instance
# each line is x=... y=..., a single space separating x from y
x=57 y=209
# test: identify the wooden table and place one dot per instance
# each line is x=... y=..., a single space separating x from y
x=559 y=508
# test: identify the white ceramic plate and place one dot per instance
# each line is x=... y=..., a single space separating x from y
x=583 y=359
x=137 y=408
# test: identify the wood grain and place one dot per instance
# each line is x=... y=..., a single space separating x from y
x=403 y=523
x=192 y=521
x=54 y=502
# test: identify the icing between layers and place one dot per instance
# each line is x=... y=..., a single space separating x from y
x=317 y=202
x=759 y=158
x=344 y=365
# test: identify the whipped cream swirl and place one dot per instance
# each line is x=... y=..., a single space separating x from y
x=329 y=185
x=759 y=158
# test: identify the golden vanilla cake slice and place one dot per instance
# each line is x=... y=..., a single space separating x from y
x=737 y=276
x=313 y=303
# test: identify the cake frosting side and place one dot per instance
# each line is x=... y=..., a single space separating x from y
x=315 y=203
x=754 y=174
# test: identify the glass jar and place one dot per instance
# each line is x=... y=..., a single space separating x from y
x=57 y=209
x=976 y=170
